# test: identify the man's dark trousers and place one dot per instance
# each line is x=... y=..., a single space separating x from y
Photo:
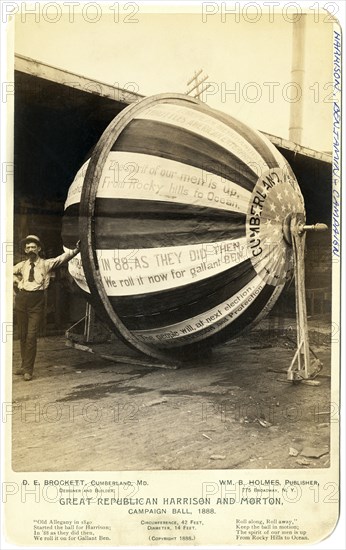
x=29 y=309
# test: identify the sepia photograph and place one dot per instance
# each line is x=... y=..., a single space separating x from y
x=174 y=229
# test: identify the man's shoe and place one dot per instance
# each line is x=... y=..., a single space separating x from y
x=19 y=371
x=27 y=376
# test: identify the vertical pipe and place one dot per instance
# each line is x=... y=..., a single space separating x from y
x=297 y=76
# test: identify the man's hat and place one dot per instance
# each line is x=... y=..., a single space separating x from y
x=32 y=239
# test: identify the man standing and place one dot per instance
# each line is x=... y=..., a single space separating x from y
x=31 y=279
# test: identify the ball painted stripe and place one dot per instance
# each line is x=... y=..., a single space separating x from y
x=161 y=309
x=202 y=277
x=164 y=140
x=247 y=320
x=260 y=143
x=147 y=177
x=212 y=321
x=208 y=127
x=126 y=232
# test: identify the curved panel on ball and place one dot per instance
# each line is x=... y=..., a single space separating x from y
x=181 y=211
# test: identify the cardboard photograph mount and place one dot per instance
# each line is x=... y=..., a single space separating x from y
x=185 y=387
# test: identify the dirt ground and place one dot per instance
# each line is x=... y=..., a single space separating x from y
x=234 y=409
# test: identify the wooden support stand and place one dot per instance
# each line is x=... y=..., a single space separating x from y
x=90 y=336
x=302 y=367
